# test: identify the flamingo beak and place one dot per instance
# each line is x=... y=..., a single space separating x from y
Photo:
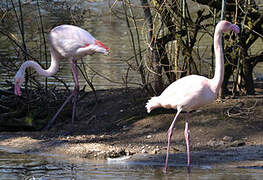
x=17 y=89
x=235 y=28
x=107 y=52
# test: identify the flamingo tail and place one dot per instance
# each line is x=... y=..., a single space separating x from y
x=152 y=104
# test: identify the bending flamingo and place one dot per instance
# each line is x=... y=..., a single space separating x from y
x=66 y=42
x=192 y=92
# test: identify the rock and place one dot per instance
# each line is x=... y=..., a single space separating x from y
x=244 y=138
x=214 y=143
x=227 y=138
x=148 y=137
x=129 y=153
x=144 y=151
x=211 y=143
x=220 y=143
x=238 y=143
x=155 y=151
x=180 y=148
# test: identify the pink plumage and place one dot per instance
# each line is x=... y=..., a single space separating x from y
x=189 y=92
x=194 y=91
x=66 y=42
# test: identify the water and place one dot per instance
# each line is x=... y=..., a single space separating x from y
x=95 y=17
x=14 y=166
x=104 y=71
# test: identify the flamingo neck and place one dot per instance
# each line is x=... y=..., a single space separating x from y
x=219 y=62
x=48 y=72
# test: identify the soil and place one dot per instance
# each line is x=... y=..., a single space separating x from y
x=118 y=125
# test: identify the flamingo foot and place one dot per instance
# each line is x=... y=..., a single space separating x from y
x=165 y=170
x=188 y=169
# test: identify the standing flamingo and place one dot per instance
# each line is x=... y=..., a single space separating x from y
x=192 y=92
x=66 y=42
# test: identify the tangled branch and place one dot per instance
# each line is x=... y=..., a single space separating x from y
x=238 y=110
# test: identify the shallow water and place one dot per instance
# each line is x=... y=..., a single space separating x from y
x=23 y=166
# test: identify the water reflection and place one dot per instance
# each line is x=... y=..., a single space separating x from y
x=21 y=166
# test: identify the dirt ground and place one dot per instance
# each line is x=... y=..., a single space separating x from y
x=119 y=125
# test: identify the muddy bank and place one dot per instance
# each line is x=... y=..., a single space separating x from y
x=118 y=125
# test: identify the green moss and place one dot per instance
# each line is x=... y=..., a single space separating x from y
x=29 y=120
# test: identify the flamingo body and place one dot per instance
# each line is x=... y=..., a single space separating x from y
x=194 y=91
x=71 y=41
x=190 y=92
x=66 y=42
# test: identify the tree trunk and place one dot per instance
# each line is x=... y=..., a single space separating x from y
x=248 y=83
x=157 y=77
x=228 y=72
x=165 y=62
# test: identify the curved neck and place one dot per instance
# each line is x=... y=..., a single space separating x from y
x=49 y=72
x=219 y=62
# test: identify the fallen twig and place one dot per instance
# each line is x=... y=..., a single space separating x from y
x=238 y=110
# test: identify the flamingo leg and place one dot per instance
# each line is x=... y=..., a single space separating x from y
x=59 y=110
x=76 y=89
x=186 y=134
x=170 y=133
x=74 y=94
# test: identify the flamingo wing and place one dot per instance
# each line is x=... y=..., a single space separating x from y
x=189 y=93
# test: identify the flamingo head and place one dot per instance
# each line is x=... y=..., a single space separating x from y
x=227 y=26
x=19 y=80
x=101 y=48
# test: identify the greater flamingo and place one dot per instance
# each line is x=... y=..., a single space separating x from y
x=192 y=92
x=66 y=42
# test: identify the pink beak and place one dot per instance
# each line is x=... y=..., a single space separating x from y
x=17 y=90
